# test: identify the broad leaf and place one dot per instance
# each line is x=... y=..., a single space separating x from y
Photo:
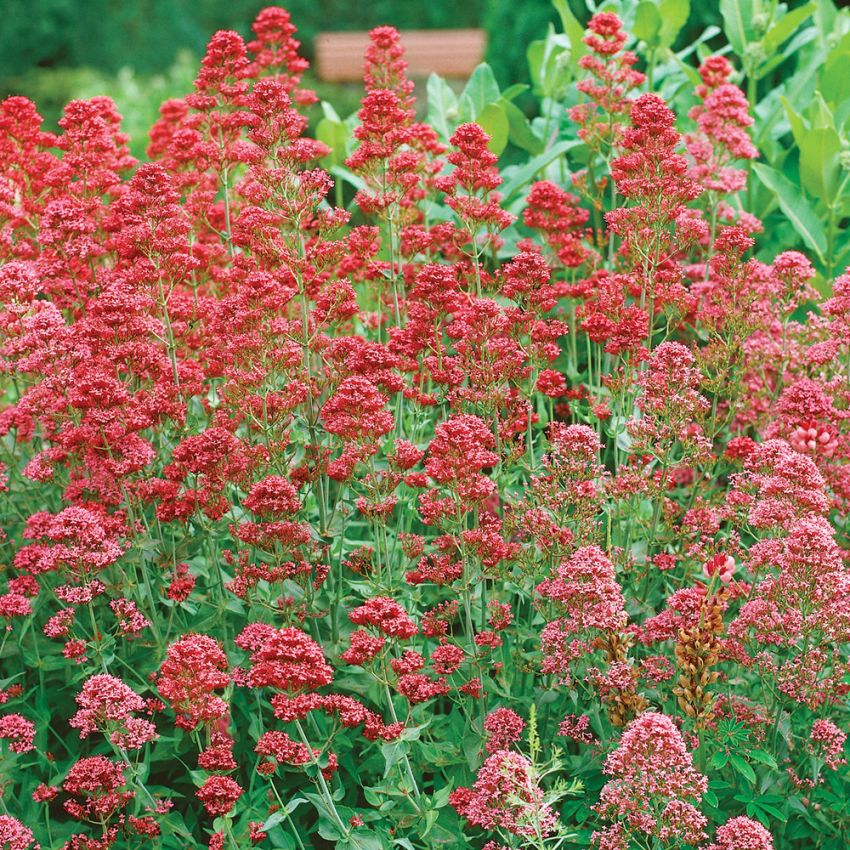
x=647 y=25
x=573 y=29
x=833 y=78
x=442 y=106
x=784 y=28
x=819 y=167
x=796 y=208
x=481 y=89
x=674 y=15
x=495 y=123
x=737 y=18
x=521 y=133
x=335 y=135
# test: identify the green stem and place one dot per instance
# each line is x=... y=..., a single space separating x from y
x=323 y=785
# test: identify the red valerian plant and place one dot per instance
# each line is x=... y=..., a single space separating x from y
x=408 y=519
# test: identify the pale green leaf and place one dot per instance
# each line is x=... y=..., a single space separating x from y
x=819 y=166
x=785 y=27
x=795 y=207
x=573 y=29
x=335 y=135
x=647 y=25
x=481 y=89
x=674 y=15
x=442 y=106
x=520 y=133
x=737 y=19
x=495 y=124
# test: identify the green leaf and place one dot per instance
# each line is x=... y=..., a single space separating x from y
x=466 y=108
x=799 y=128
x=335 y=135
x=481 y=89
x=328 y=829
x=825 y=15
x=742 y=767
x=394 y=752
x=548 y=63
x=535 y=55
x=833 y=77
x=707 y=34
x=430 y=820
x=674 y=15
x=763 y=758
x=349 y=176
x=819 y=166
x=329 y=112
x=795 y=207
x=775 y=813
x=442 y=106
x=784 y=28
x=525 y=174
x=520 y=132
x=514 y=91
x=820 y=114
x=719 y=760
x=765 y=68
x=763 y=808
x=495 y=123
x=413 y=733
x=280 y=816
x=690 y=72
x=440 y=798
x=362 y=841
x=737 y=16
x=758 y=813
x=573 y=29
x=647 y=25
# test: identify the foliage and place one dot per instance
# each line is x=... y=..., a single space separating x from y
x=474 y=481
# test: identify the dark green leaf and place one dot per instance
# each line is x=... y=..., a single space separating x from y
x=719 y=760
x=762 y=758
x=741 y=766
